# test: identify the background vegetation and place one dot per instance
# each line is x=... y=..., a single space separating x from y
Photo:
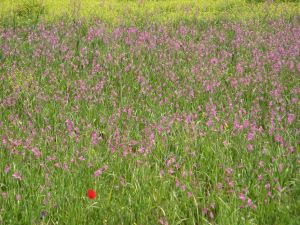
x=137 y=12
x=173 y=112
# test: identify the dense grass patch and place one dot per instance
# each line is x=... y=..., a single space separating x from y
x=173 y=112
x=137 y=12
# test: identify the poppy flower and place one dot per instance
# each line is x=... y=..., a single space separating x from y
x=91 y=194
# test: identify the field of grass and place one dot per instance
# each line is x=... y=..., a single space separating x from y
x=134 y=12
x=176 y=113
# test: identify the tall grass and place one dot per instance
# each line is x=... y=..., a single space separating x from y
x=173 y=112
x=128 y=12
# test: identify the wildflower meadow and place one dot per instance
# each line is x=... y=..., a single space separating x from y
x=149 y=112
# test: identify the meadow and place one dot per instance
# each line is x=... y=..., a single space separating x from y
x=149 y=112
x=141 y=12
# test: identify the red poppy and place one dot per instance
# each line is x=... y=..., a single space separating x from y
x=91 y=194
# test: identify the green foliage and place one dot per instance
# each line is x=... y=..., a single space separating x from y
x=28 y=11
x=49 y=74
x=276 y=1
x=134 y=12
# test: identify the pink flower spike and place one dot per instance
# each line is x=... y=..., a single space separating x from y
x=17 y=176
x=81 y=158
x=249 y=201
x=18 y=197
x=250 y=147
x=7 y=169
x=242 y=197
x=291 y=118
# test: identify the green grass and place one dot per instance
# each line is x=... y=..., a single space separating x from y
x=151 y=104
x=138 y=12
